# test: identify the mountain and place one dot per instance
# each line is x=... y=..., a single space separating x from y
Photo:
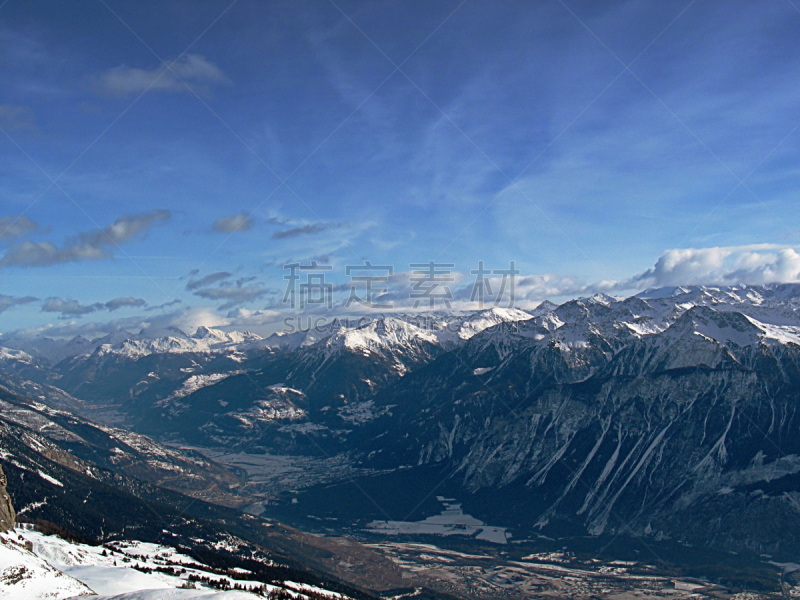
x=49 y=561
x=20 y=363
x=120 y=451
x=259 y=385
x=667 y=415
x=94 y=484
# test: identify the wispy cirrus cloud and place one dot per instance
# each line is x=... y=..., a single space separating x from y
x=14 y=227
x=7 y=302
x=244 y=317
x=68 y=308
x=233 y=295
x=192 y=71
x=126 y=302
x=310 y=229
x=210 y=279
x=93 y=245
x=72 y=308
x=164 y=305
x=236 y=223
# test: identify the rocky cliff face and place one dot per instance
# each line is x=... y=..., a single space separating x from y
x=687 y=433
x=7 y=515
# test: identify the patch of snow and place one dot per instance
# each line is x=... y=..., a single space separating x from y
x=52 y=480
x=196 y=382
x=451 y=521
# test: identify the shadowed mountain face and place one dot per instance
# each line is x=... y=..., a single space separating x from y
x=63 y=477
x=671 y=414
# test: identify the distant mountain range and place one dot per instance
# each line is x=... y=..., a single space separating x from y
x=671 y=414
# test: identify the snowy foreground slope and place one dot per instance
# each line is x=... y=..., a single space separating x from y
x=25 y=575
x=34 y=566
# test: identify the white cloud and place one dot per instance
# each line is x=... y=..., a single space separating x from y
x=126 y=302
x=243 y=317
x=187 y=320
x=68 y=308
x=207 y=280
x=753 y=267
x=93 y=245
x=233 y=295
x=236 y=223
x=191 y=70
x=721 y=265
x=73 y=308
x=13 y=227
x=7 y=302
x=310 y=229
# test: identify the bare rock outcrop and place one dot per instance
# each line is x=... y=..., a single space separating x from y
x=7 y=515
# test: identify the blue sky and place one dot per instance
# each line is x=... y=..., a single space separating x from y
x=601 y=146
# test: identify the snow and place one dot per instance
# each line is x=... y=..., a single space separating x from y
x=204 y=340
x=58 y=569
x=461 y=329
x=775 y=306
x=7 y=354
x=361 y=412
x=377 y=335
x=116 y=580
x=266 y=411
x=196 y=382
x=25 y=575
x=451 y=521
x=483 y=320
x=173 y=594
x=52 y=480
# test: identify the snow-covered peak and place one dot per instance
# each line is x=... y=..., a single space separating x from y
x=479 y=321
x=386 y=333
x=210 y=334
x=601 y=298
x=284 y=340
x=722 y=327
x=663 y=292
x=731 y=328
x=461 y=329
x=216 y=337
x=205 y=339
x=545 y=307
x=8 y=354
x=136 y=348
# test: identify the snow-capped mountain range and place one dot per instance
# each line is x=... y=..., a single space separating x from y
x=659 y=414
x=651 y=311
